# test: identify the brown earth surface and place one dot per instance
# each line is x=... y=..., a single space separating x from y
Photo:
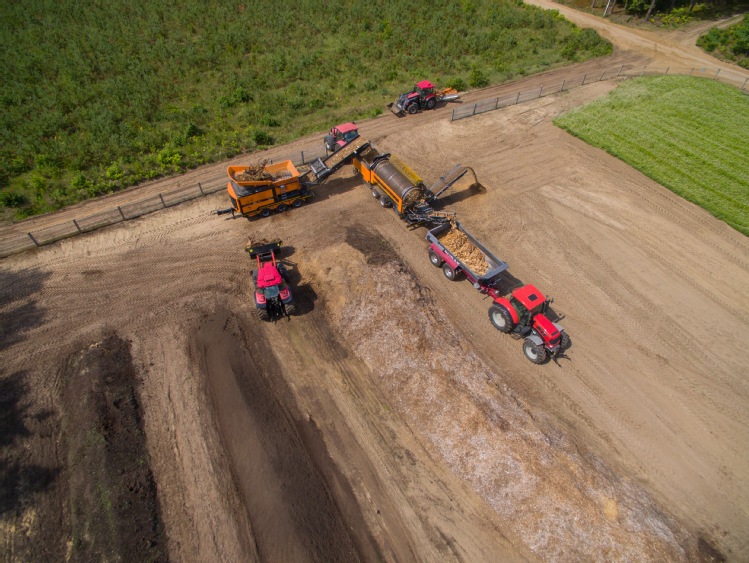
x=388 y=419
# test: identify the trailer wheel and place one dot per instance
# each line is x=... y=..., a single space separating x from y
x=296 y=203
x=413 y=108
x=265 y=212
x=435 y=260
x=262 y=314
x=536 y=353
x=385 y=202
x=281 y=208
x=500 y=318
x=450 y=274
x=431 y=102
x=375 y=194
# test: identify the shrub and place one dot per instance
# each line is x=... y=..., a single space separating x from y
x=13 y=199
x=457 y=83
x=478 y=79
x=262 y=138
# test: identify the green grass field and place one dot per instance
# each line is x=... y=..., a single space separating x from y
x=101 y=95
x=688 y=134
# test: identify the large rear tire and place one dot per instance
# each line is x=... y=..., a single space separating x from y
x=450 y=274
x=536 y=353
x=501 y=318
x=262 y=314
x=413 y=108
x=435 y=260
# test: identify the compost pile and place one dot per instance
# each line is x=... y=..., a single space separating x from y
x=457 y=243
x=255 y=173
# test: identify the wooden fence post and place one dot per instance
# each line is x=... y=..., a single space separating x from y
x=36 y=242
x=77 y=226
x=716 y=74
x=667 y=69
x=303 y=155
x=541 y=89
x=621 y=68
x=121 y=213
x=201 y=189
x=496 y=103
x=474 y=108
x=562 y=88
x=517 y=100
x=584 y=77
x=162 y=200
x=744 y=84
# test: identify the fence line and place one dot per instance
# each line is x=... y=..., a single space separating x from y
x=491 y=104
x=79 y=225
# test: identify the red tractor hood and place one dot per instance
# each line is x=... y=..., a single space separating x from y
x=268 y=276
x=545 y=328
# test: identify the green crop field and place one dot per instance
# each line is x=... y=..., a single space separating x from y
x=688 y=134
x=101 y=95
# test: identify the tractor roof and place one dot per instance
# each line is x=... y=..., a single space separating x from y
x=425 y=84
x=529 y=296
x=346 y=127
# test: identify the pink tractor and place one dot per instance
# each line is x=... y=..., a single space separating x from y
x=271 y=282
x=424 y=95
x=340 y=136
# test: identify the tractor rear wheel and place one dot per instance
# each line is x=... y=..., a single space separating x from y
x=413 y=108
x=536 y=353
x=450 y=274
x=435 y=260
x=501 y=318
x=431 y=102
x=262 y=314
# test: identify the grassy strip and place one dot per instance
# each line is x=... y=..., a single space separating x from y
x=688 y=134
x=101 y=95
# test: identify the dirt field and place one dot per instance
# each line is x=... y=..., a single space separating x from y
x=388 y=420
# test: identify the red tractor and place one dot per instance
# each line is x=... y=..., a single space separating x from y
x=424 y=95
x=340 y=136
x=524 y=316
x=272 y=294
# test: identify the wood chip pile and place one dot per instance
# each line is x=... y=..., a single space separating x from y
x=254 y=173
x=457 y=243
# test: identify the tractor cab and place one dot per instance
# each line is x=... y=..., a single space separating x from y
x=340 y=136
x=528 y=301
x=424 y=89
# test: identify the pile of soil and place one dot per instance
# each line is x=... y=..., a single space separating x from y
x=457 y=243
x=114 y=513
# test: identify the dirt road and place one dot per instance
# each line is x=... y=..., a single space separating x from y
x=388 y=419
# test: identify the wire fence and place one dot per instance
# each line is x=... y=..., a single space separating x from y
x=70 y=228
x=47 y=235
x=511 y=99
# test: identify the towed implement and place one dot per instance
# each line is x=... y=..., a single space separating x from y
x=395 y=185
x=270 y=281
x=523 y=314
x=424 y=95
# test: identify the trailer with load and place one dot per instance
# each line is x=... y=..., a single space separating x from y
x=523 y=314
x=339 y=136
x=457 y=252
x=270 y=281
x=424 y=95
x=262 y=189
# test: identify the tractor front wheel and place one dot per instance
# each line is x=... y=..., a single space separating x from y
x=262 y=314
x=435 y=260
x=290 y=308
x=413 y=108
x=501 y=318
x=431 y=102
x=450 y=274
x=565 y=342
x=536 y=353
